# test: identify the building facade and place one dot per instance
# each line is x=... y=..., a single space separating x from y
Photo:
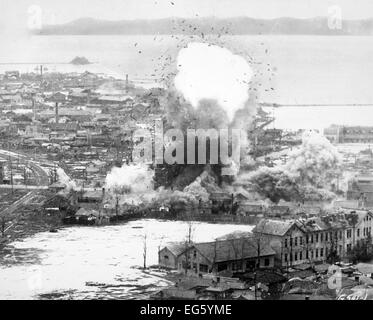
x=315 y=240
x=233 y=255
x=349 y=134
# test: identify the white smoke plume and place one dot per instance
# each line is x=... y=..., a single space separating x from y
x=208 y=71
x=308 y=173
x=133 y=178
x=63 y=178
x=315 y=162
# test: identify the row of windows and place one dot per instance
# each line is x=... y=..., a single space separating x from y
x=327 y=236
x=309 y=254
x=357 y=140
x=312 y=254
x=313 y=238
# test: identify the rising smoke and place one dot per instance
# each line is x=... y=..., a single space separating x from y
x=133 y=184
x=308 y=174
x=64 y=179
x=210 y=91
x=135 y=178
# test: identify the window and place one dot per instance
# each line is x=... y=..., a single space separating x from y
x=321 y=237
x=307 y=239
x=321 y=252
x=222 y=266
x=358 y=232
x=301 y=241
x=340 y=235
x=307 y=255
x=296 y=241
x=312 y=238
x=203 y=268
x=235 y=266
x=311 y=254
x=317 y=253
x=166 y=257
x=291 y=242
x=301 y=255
x=317 y=238
x=295 y=256
x=348 y=233
x=195 y=254
x=286 y=243
x=250 y=265
x=195 y=267
x=326 y=236
x=266 y=262
x=348 y=248
x=286 y=257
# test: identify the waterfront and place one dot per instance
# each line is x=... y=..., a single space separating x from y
x=306 y=69
x=89 y=135
x=108 y=259
x=320 y=117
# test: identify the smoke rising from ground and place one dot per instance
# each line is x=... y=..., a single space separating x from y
x=136 y=178
x=64 y=179
x=308 y=174
x=210 y=91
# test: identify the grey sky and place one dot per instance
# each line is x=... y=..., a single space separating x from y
x=14 y=13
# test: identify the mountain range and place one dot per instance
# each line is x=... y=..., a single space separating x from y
x=203 y=26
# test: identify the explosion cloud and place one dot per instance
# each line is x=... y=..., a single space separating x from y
x=210 y=91
x=208 y=71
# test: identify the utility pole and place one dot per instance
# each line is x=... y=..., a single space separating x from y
x=41 y=69
x=3 y=226
x=145 y=250
x=11 y=173
x=25 y=176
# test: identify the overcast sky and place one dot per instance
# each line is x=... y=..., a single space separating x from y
x=14 y=12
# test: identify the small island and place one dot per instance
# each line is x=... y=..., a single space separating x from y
x=80 y=61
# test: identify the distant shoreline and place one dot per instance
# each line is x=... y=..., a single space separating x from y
x=211 y=26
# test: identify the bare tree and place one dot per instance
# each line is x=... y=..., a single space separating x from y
x=145 y=249
x=188 y=242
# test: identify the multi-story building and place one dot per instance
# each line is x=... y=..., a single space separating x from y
x=361 y=188
x=317 y=239
x=349 y=134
